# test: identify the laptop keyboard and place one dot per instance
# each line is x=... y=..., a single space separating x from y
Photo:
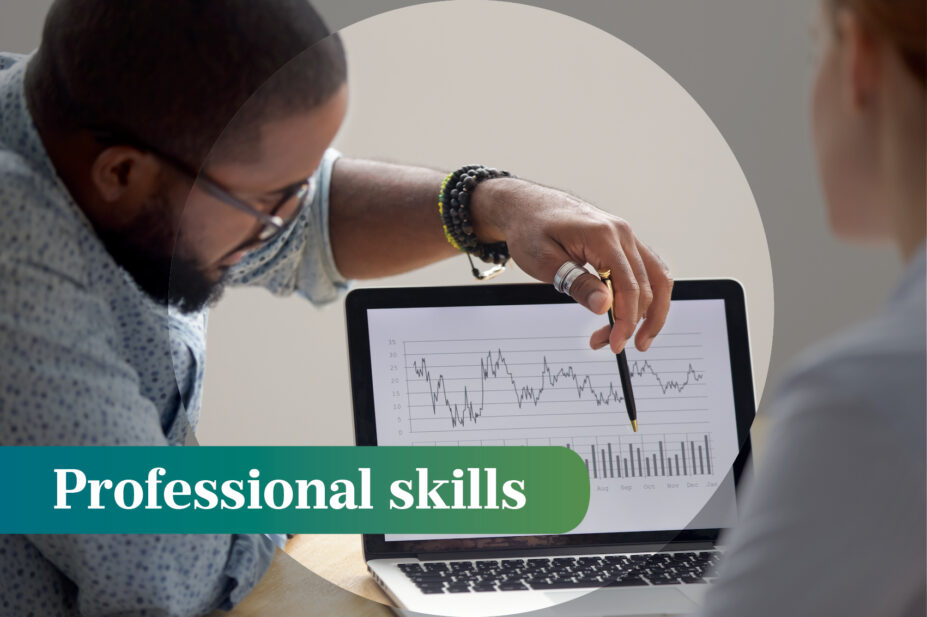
x=562 y=572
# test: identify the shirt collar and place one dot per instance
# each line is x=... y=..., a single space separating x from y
x=17 y=129
x=19 y=134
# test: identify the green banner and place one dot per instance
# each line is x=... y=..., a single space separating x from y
x=447 y=489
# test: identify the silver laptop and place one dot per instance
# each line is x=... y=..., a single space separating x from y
x=510 y=365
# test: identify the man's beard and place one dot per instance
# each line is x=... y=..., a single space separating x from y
x=143 y=249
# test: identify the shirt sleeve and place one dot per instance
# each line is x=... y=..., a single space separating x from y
x=301 y=258
x=67 y=386
x=834 y=523
x=169 y=574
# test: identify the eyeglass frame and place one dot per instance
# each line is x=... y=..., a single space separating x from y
x=273 y=224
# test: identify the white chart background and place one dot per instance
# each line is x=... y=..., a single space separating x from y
x=524 y=375
x=570 y=107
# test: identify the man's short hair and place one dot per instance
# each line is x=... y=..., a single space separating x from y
x=175 y=73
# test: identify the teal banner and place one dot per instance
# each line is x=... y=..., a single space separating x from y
x=350 y=489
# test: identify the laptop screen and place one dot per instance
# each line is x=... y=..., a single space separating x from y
x=523 y=374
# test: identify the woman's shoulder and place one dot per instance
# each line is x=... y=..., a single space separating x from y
x=889 y=347
x=873 y=372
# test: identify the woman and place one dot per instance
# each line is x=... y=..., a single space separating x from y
x=834 y=523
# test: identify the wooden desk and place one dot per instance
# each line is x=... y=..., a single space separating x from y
x=311 y=578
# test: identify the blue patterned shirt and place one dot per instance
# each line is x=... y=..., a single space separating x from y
x=90 y=359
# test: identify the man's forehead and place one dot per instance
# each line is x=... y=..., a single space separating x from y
x=287 y=151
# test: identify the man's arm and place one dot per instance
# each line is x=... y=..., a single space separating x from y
x=384 y=220
x=62 y=383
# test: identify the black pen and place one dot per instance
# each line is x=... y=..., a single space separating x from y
x=623 y=371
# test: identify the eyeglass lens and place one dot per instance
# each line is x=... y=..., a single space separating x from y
x=289 y=208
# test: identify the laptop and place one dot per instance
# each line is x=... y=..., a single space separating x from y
x=511 y=365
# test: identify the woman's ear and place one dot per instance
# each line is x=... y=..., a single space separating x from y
x=122 y=172
x=861 y=59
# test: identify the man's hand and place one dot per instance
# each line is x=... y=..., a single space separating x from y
x=379 y=209
x=545 y=227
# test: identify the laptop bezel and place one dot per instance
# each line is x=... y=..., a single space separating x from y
x=358 y=301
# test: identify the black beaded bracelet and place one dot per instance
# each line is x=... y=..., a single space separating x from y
x=454 y=207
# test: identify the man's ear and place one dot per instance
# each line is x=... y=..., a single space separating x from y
x=862 y=56
x=123 y=172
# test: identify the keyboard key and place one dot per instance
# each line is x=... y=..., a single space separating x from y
x=633 y=581
x=693 y=579
x=588 y=581
x=512 y=574
x=560 y=584
x=664 y=581
x=616 y=559
x=426 y=576
x=457 y=566
x=428 y=582
x=435 y=566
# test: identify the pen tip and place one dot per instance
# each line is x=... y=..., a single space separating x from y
x=634 y=425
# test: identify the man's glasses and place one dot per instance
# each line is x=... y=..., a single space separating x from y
x=282 y=214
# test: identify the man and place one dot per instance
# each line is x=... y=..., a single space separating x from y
x=147 y=159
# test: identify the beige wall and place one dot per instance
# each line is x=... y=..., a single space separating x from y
x=545 y=96
x=746 y=61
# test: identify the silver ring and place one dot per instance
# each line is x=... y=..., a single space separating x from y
x=572 y=276
x=566 y=274
x=561 y=272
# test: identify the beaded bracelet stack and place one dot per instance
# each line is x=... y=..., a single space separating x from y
x=454 y=207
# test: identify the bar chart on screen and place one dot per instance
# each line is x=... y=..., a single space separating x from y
x=647 y=456
x=525 y=375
